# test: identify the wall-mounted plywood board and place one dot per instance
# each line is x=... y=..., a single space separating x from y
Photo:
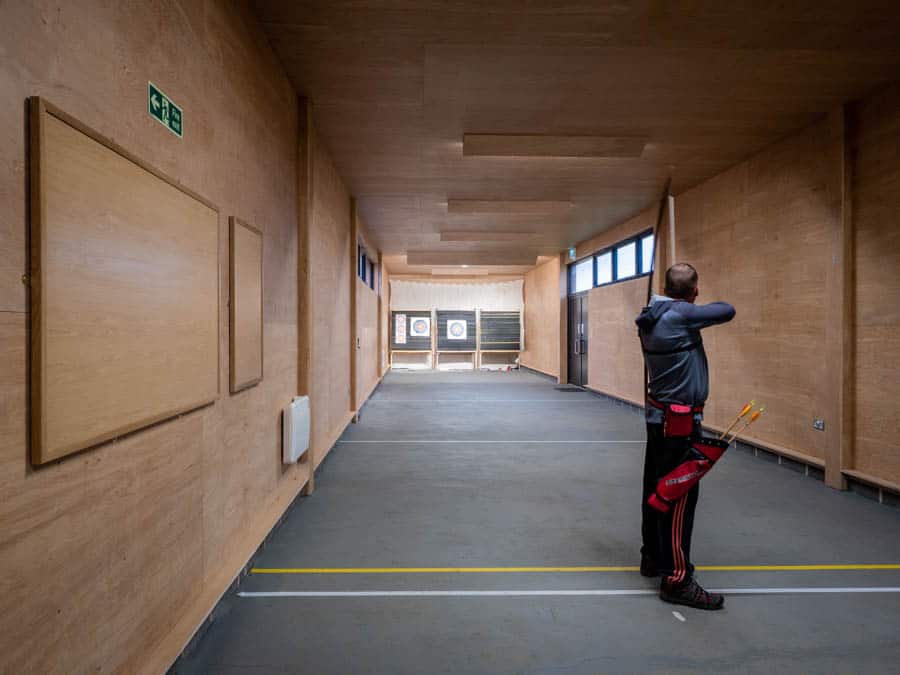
x=124 y=291
x=246 y=317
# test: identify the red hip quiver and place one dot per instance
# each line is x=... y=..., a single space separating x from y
x=702 y=454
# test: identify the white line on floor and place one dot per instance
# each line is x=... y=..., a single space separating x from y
x=679 y=616
x=589 y=592
x=485 y=400
x=414 y=440
x=429 y=594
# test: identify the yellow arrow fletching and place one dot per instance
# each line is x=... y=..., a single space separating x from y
x=747 y=408
x=755 y=416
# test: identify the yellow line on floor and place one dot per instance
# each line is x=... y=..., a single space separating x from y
x=506 y=570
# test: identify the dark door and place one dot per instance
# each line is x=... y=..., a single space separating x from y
x=584 y=340
x=572 y=340
x=578 y=340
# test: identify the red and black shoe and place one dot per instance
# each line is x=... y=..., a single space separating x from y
x=691 y=594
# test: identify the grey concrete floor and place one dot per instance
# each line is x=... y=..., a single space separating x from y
x=537 y=494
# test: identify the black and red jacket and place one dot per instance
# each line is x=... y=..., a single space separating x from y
x=673 y=350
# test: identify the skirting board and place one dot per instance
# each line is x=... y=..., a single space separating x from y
x=524 y=365
x=879 y=486
x=617 y=399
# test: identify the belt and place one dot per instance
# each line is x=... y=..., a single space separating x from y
x=662 y=406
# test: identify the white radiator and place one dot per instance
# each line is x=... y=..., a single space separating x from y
x=296 y=430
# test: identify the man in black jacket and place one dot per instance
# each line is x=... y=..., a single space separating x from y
x=669 y=329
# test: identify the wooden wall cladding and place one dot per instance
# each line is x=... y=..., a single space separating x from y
x=125 y=288
x=876 y=203
x=112 y=557
x=330 y=277
x=384 y=318
x=246 y=293
x=759 y=236
x=615 y=362
x=541 y=318
x=367 y=373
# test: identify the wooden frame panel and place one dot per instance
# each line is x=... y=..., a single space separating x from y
x=245 y=315
x=124 y=297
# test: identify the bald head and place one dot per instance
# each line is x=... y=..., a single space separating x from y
x=681 y=282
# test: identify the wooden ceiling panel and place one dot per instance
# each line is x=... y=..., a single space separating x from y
x=505 y=257
x=545 y=145
x=507 y=206
x=823 y=25
x=495 y=236
x=397 y=85
x=460 y=271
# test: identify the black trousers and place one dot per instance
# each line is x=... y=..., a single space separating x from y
x=667 y=536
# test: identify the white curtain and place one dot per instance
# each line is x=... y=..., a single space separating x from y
x=499 y=296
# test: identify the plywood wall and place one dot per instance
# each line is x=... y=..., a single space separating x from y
x=330 y=276
x=385 y=319
x=615 y=362
x=876 y=209
x=367 y=371
x=542 y=318
x=368 y=321
x=758 y=236
x=103 y=553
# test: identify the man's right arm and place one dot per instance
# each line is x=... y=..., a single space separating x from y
x=703 y=316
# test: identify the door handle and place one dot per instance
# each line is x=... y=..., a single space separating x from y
x=576 y=346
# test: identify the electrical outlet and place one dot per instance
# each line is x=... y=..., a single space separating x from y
x=819 y=424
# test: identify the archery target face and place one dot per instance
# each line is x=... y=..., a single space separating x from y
x=420 y=326
x=457 y=329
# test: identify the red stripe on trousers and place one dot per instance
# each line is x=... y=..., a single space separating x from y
x=679 y=570
x=682 y=567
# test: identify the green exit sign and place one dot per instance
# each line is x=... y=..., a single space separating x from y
x=164 y=110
